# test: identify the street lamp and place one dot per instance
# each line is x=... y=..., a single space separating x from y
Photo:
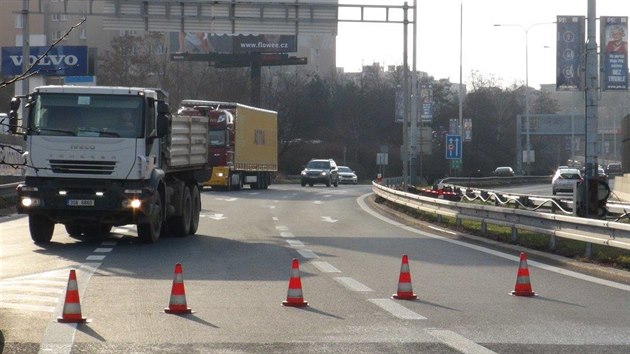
x=526 y=31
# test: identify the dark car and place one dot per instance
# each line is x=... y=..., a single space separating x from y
x=503 y=171
x=614 y=169
x=320 y=171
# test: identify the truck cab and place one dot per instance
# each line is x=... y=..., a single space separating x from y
x=98 y=157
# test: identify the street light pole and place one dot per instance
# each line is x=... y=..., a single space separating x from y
x=527 y=131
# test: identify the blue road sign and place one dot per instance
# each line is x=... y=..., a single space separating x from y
x=453 y=147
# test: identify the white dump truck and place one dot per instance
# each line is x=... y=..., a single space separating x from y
x=101 y=156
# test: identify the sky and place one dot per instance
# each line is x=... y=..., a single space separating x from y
x=494 y=52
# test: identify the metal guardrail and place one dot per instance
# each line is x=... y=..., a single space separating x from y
x=591 y=231
x=8 y=190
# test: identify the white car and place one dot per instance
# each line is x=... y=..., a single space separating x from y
x=565 y=179
x=346 y=175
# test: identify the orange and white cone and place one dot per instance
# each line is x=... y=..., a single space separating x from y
x=405 y=291
x=523 y=287
x=294 y=294
x=177 y=303
x=72 y=305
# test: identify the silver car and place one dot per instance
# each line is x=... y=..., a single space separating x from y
x=565 y=179
x=346 y=175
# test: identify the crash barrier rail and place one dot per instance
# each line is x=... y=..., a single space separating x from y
x=590 y=231
x=9 y=189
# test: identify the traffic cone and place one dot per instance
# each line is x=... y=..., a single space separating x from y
x=294 y=294
x=177 y=303
x=523 y=286
x=405 y=291
x=72 y=306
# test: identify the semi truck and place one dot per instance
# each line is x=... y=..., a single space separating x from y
x=99 y=157
x=243 y=143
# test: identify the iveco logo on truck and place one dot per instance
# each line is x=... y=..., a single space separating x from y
x=82 y=147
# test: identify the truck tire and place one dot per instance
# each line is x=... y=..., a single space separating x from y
x=196 y=209
x=41 y=228
x=149 y=232
x=180 y=225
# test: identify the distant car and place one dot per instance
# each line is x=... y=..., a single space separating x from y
x=614 y=169
x=347 y=175
x=565 y=179
x=503 y=171
x=320 y=171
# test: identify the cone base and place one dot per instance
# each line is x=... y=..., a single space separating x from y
x=405 y=297
x=295 y=303
x=73 y=320
x=523 y=293
x=176 y=312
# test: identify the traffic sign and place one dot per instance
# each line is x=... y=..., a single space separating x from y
x=453 y=147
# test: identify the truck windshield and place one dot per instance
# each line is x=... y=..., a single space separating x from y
x=216 y=137
x=93 y=115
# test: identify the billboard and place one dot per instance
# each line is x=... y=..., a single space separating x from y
x=614 y=52
x=204 y=42
x=60 y=61
x=570 y=53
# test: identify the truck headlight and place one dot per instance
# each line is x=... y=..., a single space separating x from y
x=134 y=203
x=28 y=202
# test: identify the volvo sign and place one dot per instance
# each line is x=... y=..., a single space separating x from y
x=60 y=61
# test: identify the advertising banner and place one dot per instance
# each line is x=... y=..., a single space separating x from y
x=60 y=61
x=570 y=53
x=467 y=129
x=426 y=103
x=614 y=52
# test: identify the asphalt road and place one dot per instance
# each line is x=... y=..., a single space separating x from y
x=236 y=272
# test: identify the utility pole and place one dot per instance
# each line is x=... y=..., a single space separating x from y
x=405 y=153
x=591 y=101
x=26 y=49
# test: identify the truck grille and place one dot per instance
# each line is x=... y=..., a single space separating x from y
x=83 y=167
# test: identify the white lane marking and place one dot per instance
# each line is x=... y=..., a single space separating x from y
x=458 y=342
x=307 y=253
x=227 y=199
x=37 y=298
x=286 y=234
x=94 y=258
x=275 y=218
x=396 y=309
x=295 y=243
x=271 y=206
x=282 y=228
x=26 y=307
x=328 y=219
x=441 y=230
x=325 y=267
x=215 y=216
x=352 y=284
x=516 y=259
x=317 y=202
x=103 y=250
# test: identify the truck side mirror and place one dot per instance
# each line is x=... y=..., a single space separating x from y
x=13 y=115
x=164 y=112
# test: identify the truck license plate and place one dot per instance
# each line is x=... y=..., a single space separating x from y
x=80 y=202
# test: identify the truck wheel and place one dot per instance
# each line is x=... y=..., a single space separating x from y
x=196 y=209
x=180 y=225
x=149 y=232
x=41 y=228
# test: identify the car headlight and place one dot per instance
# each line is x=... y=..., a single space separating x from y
x=303 y=173
x=324 y=173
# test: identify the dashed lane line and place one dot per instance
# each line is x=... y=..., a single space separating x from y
x=396 y=309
